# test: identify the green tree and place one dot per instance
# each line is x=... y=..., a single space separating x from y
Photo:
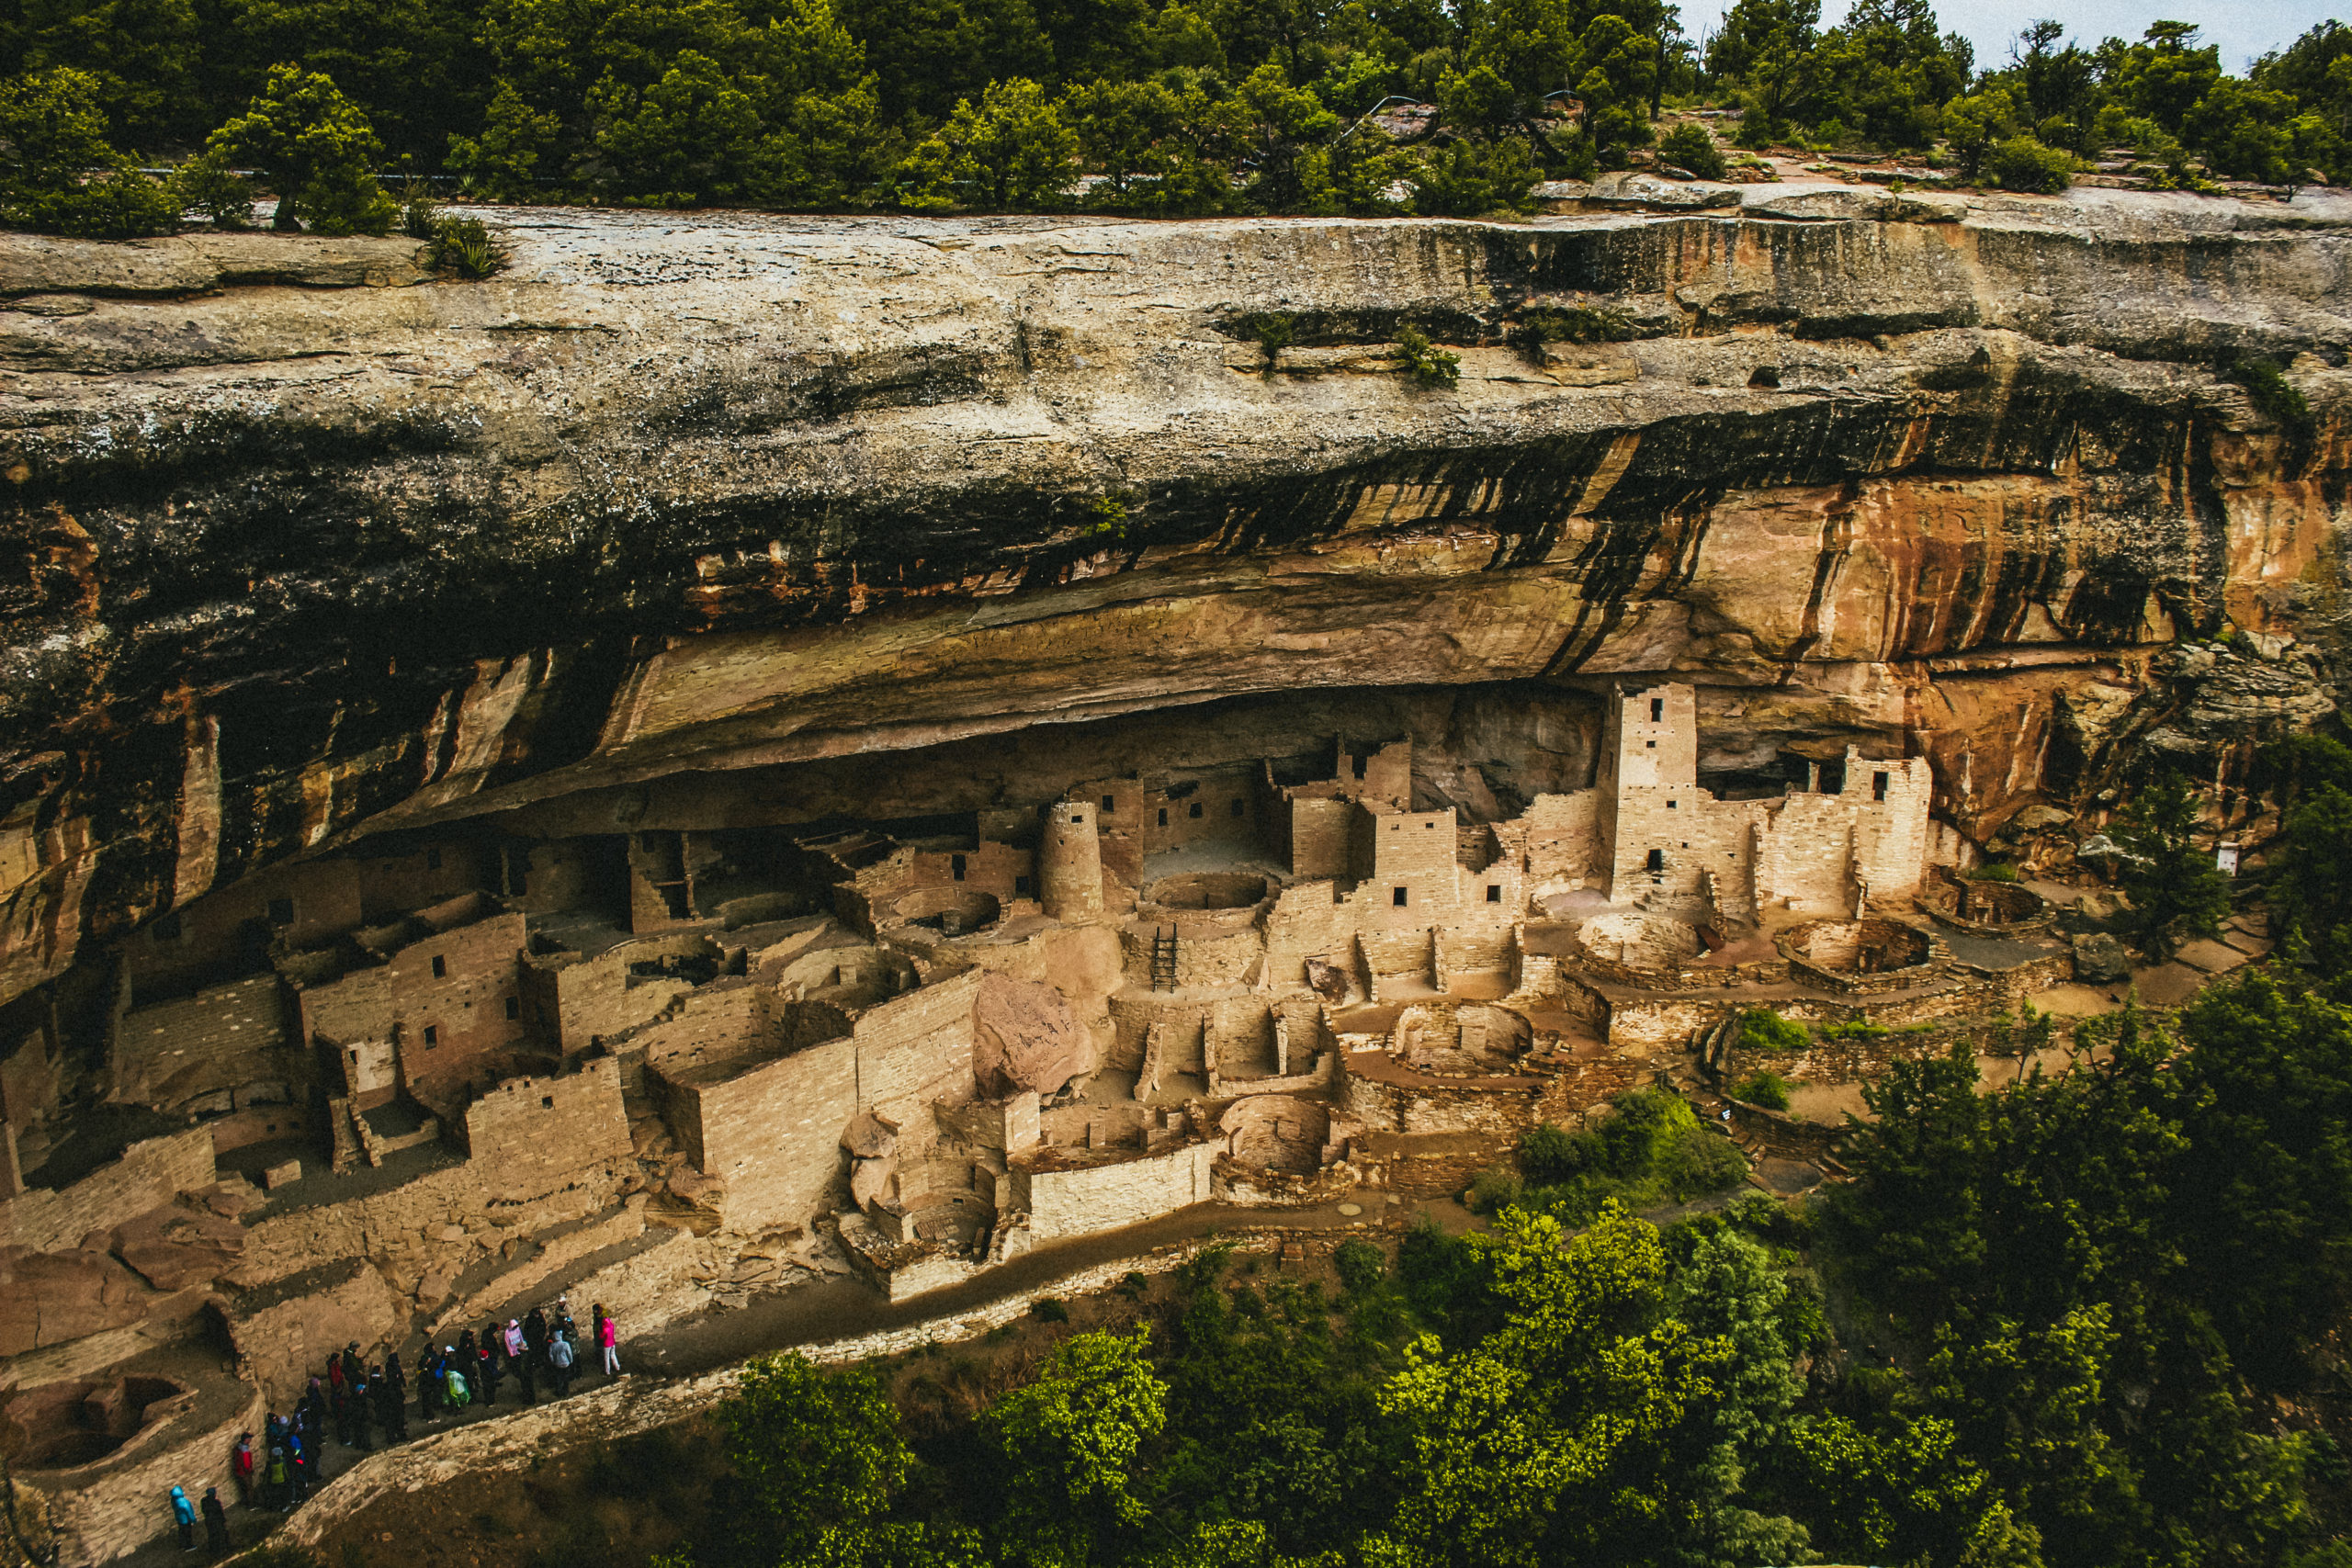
x=1616 y=70
x=1767 y=49
x=1011 y=152
x=2164 y=76
x=2174 y=887
x=1069 y=1441
x=1974 y=125
x=61 y=176
x=2309 y=893
x=318 y=151
x=1691 y=146
x=143 y=59
x=815 y=1451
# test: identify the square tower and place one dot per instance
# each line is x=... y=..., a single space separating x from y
x=1649 y=788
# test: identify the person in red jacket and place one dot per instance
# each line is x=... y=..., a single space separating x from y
x=241 y=1466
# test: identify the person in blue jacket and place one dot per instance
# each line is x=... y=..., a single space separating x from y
x=184 y=1516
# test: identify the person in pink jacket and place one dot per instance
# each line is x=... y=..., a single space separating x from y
x=608 y=1340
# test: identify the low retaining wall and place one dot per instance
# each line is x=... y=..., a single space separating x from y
x=636 y=1405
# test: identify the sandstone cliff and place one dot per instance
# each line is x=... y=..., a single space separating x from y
x=747 y=510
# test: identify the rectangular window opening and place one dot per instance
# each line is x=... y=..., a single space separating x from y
x=431 y=1035
x=1195 y=812
x=547 y=1103
x=1658 y=710
x=1494 y=893
x=1020 y=886
x=1656 y=861
x=956 y=866
x=1109 y=805
x=1078 y=820
x=440 y=967
x=1673 y=805
x=1651 y=744
x=1878 y=786
x=1163 y=816
x=1396 y=896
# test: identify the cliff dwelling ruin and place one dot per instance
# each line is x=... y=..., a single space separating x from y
x=975 y=757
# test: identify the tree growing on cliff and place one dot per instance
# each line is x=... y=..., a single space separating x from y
x=319 y=152
x=2175 y=889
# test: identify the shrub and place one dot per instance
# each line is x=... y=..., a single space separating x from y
x=2272 y=395
x=1361 y=1266
x=318 y=149
x=1049 y=1309
x=463 y=245
x=1994 y=871
x=2020 y=163
x=1768 y=1090
x=1273 y=332
x=1429 y=367
x=1492 y=1188
x=55 y=134
x=1764 y=1030
x=1469 y=180
x=1549 y=1154
x=1692 y=146
x=207 y=184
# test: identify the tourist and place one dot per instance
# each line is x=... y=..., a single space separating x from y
x=519 y=1361
x=362 y=1406
x=314 y=1406
x=392 y=1401
x=559 y=1364
x=351 y=1367
x=241 y=1468
x=493 y=1362
x=299 y=1450
x=216 y=1522
x=274 y=1480
x=563 y=1324
x=184 y=1516
x=338 y=1401
x=608 y=1341
x=455 y=1379
x=534 y=1336
x=470 y=1362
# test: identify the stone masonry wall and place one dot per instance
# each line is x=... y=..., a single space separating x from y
x=773 y=1133
x=191 y=1048
x=146 y=1177
x=917 y=1048
x=544 y=1133
x=1063 y=1203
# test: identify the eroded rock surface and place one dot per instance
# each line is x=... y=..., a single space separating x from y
x=313 y=548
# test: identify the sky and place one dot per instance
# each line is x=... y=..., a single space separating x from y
x=2244 y=29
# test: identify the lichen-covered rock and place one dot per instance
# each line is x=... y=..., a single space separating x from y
x=2100 y=960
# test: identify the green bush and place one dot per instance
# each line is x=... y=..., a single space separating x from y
x=1768 y=1090
x=1549 y=1154
x=55 y=134
x=1994 y=871
x=1492 y=1188
x=1429 y=367
x=1761 y=1029
x=1859 y=1029
x=1575 y=323
x=2020 y=163
x=1361 y=1266
x=207 y=184
x=319 y=150
x=1273 y=331
x=1470 y=180
x=1049 y=1309
x=1692 y=146
x=2273 y=395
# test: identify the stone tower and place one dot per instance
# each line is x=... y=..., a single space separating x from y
x=1070 y=861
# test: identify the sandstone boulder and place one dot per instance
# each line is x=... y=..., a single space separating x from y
x=871 y=1136
x=2100 y=960
x=48 y=1297
x=870 y=1180
x=1326 y=981
x=1028 y=1037
x=175 y=1247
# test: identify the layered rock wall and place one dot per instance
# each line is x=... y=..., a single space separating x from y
x=676 y=511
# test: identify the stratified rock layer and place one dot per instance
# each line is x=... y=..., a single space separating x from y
x=313 y=548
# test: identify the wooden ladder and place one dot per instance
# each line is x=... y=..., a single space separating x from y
x=1163 y=959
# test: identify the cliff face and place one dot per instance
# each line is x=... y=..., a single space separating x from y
x=756 y=510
